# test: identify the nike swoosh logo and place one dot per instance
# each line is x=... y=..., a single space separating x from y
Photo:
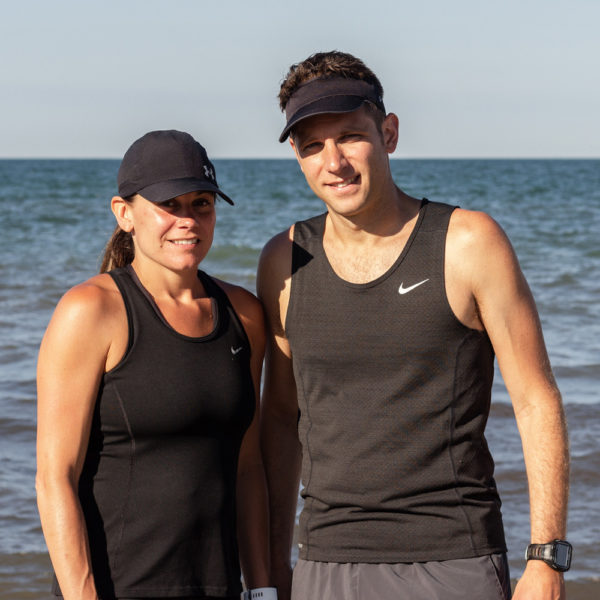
x=234 y=351
x=403 y=290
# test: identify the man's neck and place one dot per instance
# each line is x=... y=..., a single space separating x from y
x=382 y=220
x=362 y=248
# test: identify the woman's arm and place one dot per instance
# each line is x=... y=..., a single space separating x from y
x=252 y=511
x=73 y=356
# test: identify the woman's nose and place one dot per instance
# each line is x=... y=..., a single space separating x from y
x=185 y=213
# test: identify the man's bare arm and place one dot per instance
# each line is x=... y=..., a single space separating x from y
x=279 y=433
x=508 y=313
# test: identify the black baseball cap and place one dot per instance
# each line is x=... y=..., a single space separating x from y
x=164 y=164
x=332 y=95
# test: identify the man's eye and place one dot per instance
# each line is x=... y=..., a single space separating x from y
x=312 y=147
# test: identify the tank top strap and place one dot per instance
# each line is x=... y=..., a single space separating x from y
x=436 y=216
x=127 y=289
x=213 y=289
x=225 y=308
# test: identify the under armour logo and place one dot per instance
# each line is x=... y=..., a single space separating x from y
x=209 y=172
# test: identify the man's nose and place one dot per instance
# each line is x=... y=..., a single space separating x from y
x=334 y=156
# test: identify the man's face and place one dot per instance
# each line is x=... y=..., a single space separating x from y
x=344 y=158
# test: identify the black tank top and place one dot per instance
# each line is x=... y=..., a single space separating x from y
x=159 y=479
x=394 y=394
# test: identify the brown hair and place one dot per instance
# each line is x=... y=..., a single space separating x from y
x=326 y=65
x=119 y=250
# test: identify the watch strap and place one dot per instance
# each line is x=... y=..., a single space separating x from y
x=540 y=552
x=265 y=593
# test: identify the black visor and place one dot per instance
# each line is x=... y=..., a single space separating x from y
x=323 y=96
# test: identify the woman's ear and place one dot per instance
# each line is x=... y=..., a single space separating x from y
x=122 y=209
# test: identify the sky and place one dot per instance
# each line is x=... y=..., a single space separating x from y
x=467 y=78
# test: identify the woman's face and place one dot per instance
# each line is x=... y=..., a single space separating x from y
x=176 y=233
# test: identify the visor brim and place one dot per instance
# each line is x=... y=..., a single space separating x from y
x=322 y=106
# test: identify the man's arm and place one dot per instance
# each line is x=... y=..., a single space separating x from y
x=505 y=306
x=279 y=432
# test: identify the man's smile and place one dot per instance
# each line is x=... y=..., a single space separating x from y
x=345 y=182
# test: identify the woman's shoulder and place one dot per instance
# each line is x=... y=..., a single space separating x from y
x=92 y=302
x=243 y=301
x=86 y=322
x=97 y=290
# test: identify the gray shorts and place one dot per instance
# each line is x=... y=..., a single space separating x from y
x=480 y=578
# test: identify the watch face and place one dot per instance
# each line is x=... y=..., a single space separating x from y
x=562 y=555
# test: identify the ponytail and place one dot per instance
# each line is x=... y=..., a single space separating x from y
x=119 y=251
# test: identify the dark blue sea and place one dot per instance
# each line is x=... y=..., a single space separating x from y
x=56 y=220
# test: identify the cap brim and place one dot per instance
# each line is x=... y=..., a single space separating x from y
x=165 y=190
x=322 y=106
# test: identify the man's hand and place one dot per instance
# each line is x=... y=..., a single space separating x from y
x=540 y=582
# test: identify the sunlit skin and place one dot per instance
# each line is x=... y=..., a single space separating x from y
x=176 y=234
x=344 y=158
x=171 y=238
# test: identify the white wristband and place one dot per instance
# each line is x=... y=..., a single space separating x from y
x=265 y=593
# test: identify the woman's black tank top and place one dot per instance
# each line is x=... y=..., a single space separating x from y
x=159 y=479
x=394 y=394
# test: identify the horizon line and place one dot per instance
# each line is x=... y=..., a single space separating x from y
x=294 y=159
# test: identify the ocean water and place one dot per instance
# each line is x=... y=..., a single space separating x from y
x=56 y=220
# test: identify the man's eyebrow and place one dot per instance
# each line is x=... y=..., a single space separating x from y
x=354 y=128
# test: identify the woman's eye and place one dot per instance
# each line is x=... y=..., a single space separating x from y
x=202 y=203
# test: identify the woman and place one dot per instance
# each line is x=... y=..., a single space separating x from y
x=148 y=380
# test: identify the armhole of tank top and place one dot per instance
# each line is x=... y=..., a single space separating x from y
x=116 y=275
x=294 y=262
x=442 y=268
x=444 y=289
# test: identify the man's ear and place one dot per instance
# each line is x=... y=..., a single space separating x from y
x=293 y=145
x=122 y=209
x=389 y=130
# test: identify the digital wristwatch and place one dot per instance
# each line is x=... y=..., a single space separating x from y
x=556 y=554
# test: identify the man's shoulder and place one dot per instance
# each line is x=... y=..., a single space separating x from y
x=277 y=244
x=472 y=227
x=275 y=263
x=476 y=246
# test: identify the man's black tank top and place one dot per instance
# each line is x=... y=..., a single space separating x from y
x=394 y=394
x=159 y=479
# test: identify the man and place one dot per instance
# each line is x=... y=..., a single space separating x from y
x=385 y=314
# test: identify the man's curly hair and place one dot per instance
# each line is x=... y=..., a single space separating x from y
x=326 y=65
